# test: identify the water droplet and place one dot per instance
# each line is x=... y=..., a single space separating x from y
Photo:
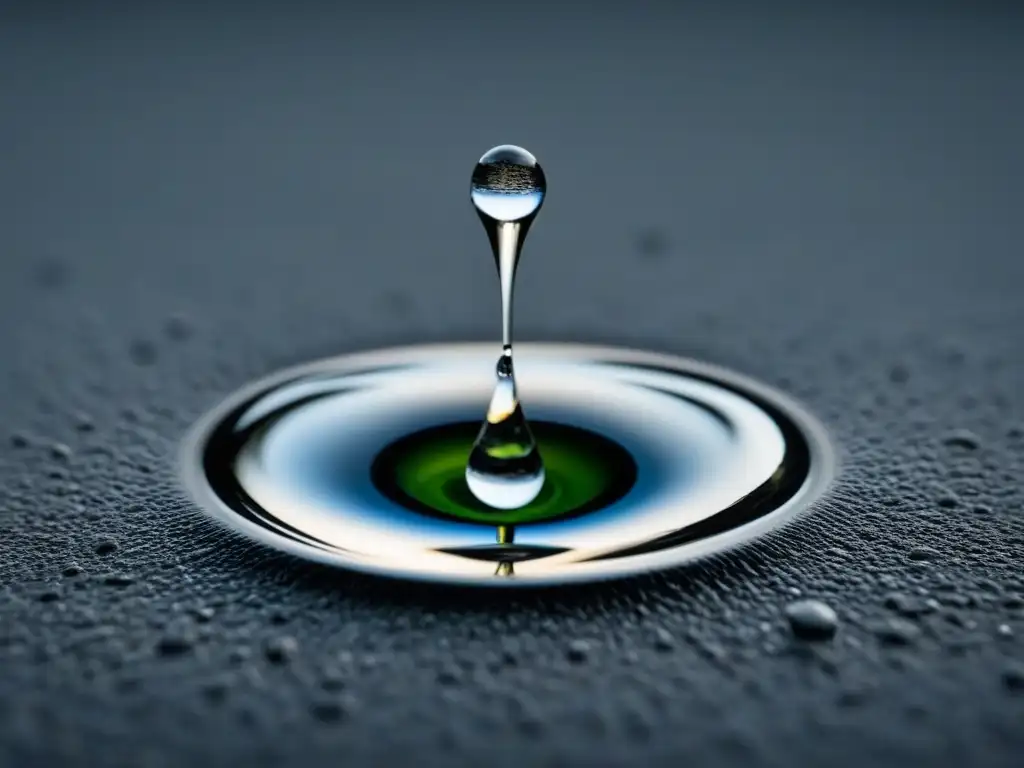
x=1013 y=676
x=280 y=650
x=896 y=631
x=60 y=451
x=106 y=547
x=812 y=619
x=449 y=676
x=204 y=614
x=73 y=569
x=119 y=580
x=962 y=438
x=663 y=640
x=83 y=422
x=578 y=651
x=174 y=645
x=505 y=469
x=920 y=554
x=332 y=681
x=905 y=605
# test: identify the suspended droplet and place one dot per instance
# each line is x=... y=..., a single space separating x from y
x=505 y=469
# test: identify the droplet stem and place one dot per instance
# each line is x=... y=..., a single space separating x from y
x=508 y=244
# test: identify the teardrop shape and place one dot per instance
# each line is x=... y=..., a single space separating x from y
x=505 y=469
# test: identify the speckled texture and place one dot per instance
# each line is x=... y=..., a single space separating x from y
x=829 y=201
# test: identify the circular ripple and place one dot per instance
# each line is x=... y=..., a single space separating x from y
x=289 y=461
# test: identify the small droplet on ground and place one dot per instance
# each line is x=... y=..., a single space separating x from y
x=1013 y=676
x=73 y=569
x=106 y=547
x=1004 y=631
x=812 y=619
x=174 y=645
x=921 y=554
x=332 y=681
x=280 y=650
x=663 y=640
x=450 y=675
x=578 y=651
x=896 y=631
x=84 y=423
x=962 y=438
x=60 y=451
x=906 y=605
x=203 y=614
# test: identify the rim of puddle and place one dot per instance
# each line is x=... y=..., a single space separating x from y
x=822 y=463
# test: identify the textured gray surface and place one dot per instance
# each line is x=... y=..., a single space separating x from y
x=829 y=201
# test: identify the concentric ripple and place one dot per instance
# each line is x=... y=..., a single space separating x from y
x=698 y=459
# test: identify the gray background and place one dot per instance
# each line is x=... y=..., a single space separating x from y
x=825 y=198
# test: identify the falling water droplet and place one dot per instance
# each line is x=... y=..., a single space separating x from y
x=505 y=469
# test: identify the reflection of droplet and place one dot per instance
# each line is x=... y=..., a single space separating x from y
x=504 y=469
